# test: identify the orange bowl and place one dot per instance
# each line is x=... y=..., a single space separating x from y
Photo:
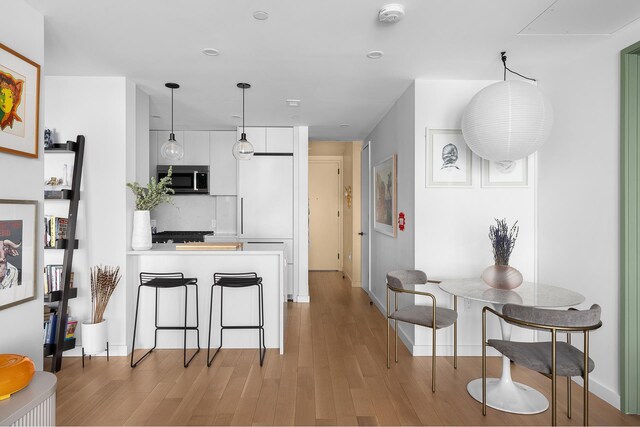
x=15 y=373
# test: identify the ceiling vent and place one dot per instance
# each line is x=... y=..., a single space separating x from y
x=391 y=13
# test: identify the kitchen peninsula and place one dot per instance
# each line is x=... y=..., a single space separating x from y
x=240 y=305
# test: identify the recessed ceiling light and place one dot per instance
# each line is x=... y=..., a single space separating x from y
x=375 y=54
x=344 y=125
x=261 y=15
x=155 y=116
x=209 y=51
x=293 y=102
x=236 y=116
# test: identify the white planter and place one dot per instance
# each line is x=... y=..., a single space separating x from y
x=94 y=337
x=141 y=236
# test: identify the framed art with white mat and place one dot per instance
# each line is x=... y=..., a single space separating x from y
x=505 y=174
x=449 y=160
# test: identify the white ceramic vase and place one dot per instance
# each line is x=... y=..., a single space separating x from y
x=94 y=337
x=141 y=236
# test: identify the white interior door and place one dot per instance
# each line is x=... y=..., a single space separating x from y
x=364 y=232
x=324 y=215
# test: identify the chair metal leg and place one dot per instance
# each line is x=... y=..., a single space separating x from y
x=209 y=360
x=135 y=325
x=568 y=385
x=586 y=378
x=455 y=334
x=484 y=362
x=553 y=378
x=388 y=350
x=184 y=349
x=262 y=348
x=433 y=350
x=395 y=299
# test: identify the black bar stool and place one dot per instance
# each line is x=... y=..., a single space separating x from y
x=166 y=281
x=237 y=280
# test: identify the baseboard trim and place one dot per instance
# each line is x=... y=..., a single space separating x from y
x=603 y=392
x=303 y=299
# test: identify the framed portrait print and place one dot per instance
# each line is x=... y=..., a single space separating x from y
x=17 y=251
x=448 y=159
x=505 y=174
x=19 y=103
x=385 y=196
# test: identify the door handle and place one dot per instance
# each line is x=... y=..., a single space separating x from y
x=242 y=215
x=361 y=234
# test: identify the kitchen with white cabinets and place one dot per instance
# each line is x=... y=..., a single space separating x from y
x=248 y=201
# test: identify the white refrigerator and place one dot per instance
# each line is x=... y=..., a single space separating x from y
x=265 y=197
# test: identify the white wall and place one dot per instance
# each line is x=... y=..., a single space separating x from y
x=579 y=192
x=21 y=325
x=394 y=134
x=452 y=224
x=97 y=107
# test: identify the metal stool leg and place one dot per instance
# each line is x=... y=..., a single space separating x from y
x=262 y=349
x=186 y=327
x=210 y=361
x=135 y=326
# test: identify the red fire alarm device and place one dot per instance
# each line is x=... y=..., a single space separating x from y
x=401 y=221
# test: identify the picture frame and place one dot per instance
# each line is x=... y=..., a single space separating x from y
x=385 y=196
x=19 y=103
x=503 y=174
x=18 y=236
x=449 y=160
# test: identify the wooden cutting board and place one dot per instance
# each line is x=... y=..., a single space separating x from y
x=209 y=246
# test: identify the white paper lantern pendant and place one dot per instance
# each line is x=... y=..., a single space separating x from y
x=507 y=121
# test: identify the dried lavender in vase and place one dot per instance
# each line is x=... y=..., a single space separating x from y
x=503 y=240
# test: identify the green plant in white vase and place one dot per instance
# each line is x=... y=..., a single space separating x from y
x=148 y=198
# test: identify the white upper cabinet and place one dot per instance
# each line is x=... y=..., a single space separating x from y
x=279 y=140
x=256 y=136
x=163 y=136
x=223 y=166
x=195 y=144
x=196 y=148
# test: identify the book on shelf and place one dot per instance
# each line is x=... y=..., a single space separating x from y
x=53 y=278
x=55 y=229
x=50 y=328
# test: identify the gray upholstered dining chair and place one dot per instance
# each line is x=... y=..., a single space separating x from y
x=430 y=316
x=548 y=358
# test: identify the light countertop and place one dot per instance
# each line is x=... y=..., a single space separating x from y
x=248 y=248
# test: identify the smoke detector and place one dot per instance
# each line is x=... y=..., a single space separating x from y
x=391 y=13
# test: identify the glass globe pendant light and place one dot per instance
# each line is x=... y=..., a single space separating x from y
x=242 y=149
x=172 y=149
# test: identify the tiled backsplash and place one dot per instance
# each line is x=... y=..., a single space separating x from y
x=196 y=213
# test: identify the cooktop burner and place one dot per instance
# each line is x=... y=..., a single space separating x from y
x=180 y=236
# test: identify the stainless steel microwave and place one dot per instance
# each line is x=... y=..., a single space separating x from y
x=186 y=179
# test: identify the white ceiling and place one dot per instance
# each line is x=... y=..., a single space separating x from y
x=308 y=50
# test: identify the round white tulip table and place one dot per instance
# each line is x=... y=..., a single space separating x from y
x=503 y=393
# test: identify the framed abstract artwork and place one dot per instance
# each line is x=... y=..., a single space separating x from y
x=385 y=196
x=19 y=103
x=448 y=159
x=505 y=174
x=17 y=251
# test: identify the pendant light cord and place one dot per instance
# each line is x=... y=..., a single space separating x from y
x=504 y=62
x=172 y=110
x=243 y=110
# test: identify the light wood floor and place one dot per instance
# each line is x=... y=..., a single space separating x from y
x=333 y=372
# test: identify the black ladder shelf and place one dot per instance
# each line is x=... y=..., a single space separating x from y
x=73 y=196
